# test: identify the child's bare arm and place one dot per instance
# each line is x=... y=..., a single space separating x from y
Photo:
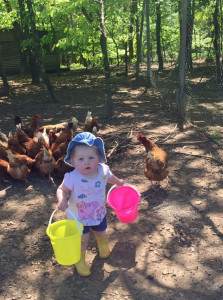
x=62 y=193
x=115 y=180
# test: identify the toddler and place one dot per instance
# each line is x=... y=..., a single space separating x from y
x=86 y=186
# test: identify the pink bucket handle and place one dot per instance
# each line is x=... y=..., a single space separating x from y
x=125 y=184
x=112 y=188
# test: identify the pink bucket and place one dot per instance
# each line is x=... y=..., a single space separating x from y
x=124 y=200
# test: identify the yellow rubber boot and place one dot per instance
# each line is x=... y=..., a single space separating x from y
x=103 y=246
x=82 y=267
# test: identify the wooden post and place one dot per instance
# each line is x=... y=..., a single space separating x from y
x=182 y=67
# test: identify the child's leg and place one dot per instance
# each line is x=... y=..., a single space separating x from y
x=81 y=266
x=102 y=242
x=99 y=233
x=84 y=241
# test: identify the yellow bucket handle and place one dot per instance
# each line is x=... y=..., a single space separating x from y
x=72 y=215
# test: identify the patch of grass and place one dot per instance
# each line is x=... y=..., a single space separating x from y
x=215 y=135
x=74 y=66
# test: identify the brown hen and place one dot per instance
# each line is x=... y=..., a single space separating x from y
x=3 y=151
x=31 y=146
x=59 y=127
x=3 y=169
x=44 y=162
x=3 y=138
x=61 y=168
x=14 y=145
x=156 y=160
x=91 y=124
x=19 y=165
x=28 y=129
x=52 y=137
x=59 y=147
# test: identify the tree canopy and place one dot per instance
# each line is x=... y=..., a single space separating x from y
x=72 y=27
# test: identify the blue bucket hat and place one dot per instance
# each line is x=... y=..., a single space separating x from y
x=89 y=139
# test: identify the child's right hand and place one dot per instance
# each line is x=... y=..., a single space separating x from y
x=62 y=193
x=62 y=205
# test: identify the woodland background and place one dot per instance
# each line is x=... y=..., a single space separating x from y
x=185 y=35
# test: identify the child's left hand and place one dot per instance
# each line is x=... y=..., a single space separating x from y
x=121 y=182
x=115 y=180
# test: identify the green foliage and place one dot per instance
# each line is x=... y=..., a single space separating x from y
x=7 y=18
x=63 y=27
x=215 y=135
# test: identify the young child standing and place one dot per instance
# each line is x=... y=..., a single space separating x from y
x=86 y=186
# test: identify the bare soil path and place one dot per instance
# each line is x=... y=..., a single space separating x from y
x=174 y=250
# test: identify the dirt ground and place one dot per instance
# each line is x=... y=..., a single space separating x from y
x=174 y=250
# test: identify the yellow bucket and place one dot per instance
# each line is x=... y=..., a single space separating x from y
x=65 y=237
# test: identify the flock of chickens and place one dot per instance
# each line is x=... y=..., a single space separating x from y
x=44 y=148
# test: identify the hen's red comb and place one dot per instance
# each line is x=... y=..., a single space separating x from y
x=139 y=136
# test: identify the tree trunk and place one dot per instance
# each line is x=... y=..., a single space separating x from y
x=200 y=41
x=164 y=52
x=32 y=61
x=221 y=32
x=190 y=25
x=138 y=48
x=117 y=55
x=8 y=5
x=35 y=36
x=103 y=41
x=132 y=18
x=182 y=67
x=116 y=45
x=38 y=63
x=93 y=50
x=192 y=29
x=188 y=35
x=4 y=78
x=48 y=83
x=195 y=44
x=148 y=53
x=158 y=41
x=126 y=58
x=139 y=31
x=35 y=74
x=216 y=42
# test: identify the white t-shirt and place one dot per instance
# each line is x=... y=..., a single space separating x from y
x=87 y=199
